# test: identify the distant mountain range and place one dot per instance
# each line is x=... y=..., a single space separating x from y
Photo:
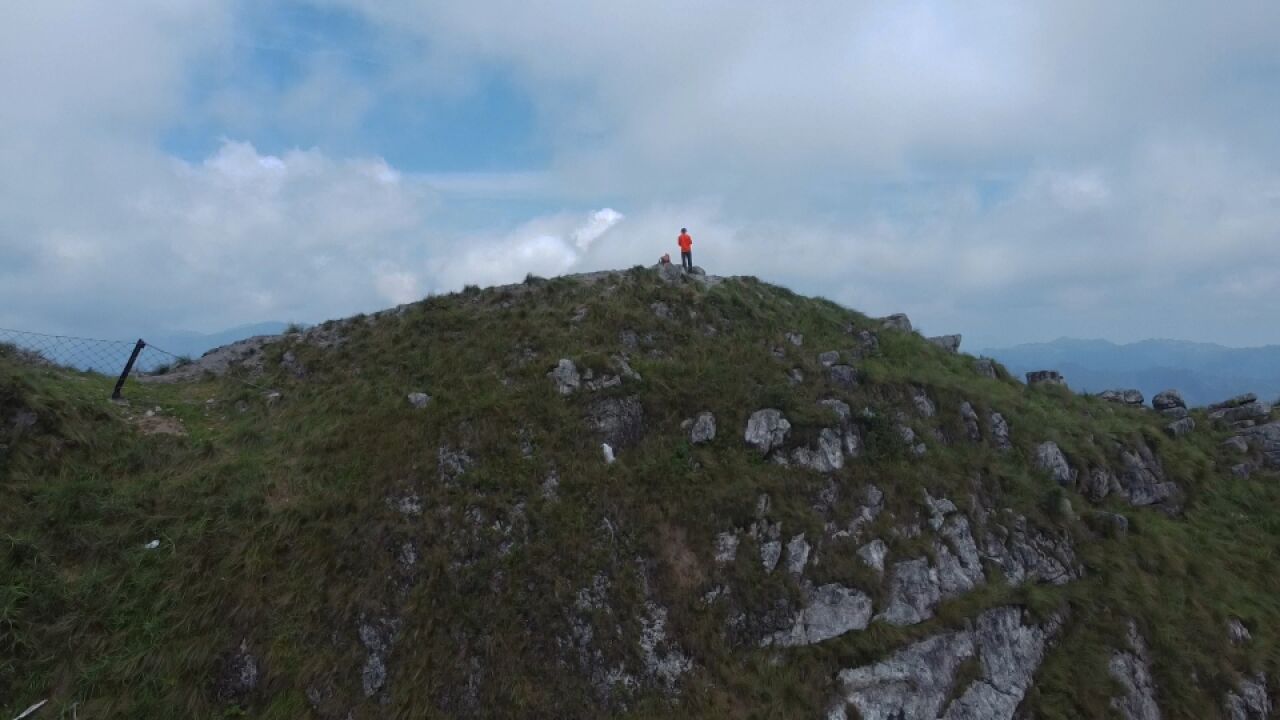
x=193 y=345
x=1202 y=372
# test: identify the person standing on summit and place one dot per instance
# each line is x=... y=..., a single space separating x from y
x=686 y=249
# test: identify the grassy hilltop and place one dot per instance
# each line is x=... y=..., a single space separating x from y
x=336 y=551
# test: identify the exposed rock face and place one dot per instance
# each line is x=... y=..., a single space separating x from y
x=924 y=406
x=999 y=432
x=1029 y=554
x=950 y=343
x=873 y=554
x=1267 y=439
x=1045 y=377
x=913 y=592
x=1252 y=410
x=1237 y=632
x=839 y=407
x=829 y=611
x=565 y=377
x=770 y=553
x=1167 y=400
x=619 y=421
x=1237 y=401
x=986 y=367
x=1050 y=459
x=1236 y=443
x=1124 y=397
x=826 y=456
x=897 y=321
x=1132 y=670
x=795 y=338
x=843 y=376
x=376 y=636
x=1142 y=480
x=704 y=429
x=797 y=554
x=726 y=548
x=917 y=682
x=970 y=419
x=1178 y=428
x=766 y=430
x=1249 y=701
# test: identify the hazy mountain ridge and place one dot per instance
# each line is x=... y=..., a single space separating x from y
x=1203 y=372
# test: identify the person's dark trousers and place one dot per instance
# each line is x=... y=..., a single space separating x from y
x=686 y=259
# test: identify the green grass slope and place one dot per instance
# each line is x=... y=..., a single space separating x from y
x=478 y=558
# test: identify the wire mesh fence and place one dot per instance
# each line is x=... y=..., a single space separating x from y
x=120 y=359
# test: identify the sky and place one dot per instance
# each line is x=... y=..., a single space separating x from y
x=1014 y=172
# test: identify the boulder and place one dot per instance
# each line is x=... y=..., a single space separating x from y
x=419 y=400
x=829 y=358
x=827 y=455
x=1178 y=428
x=914 y=590
x=1131 y=669
x=897 y=321
x=619 y=421
x=839 y=407
x=795 y=338
x=843 y=376
x=1045 y=377
x=829 y=611
x=1236 y=443
x=1168 y=399
x=868 y=343
x=986 y=367
x=999 y=432
x=704 y=429
x=1123 y=397
x=1267 y=439
x=565 y=377
x=1175 y=413
x=1242 y=413
x=1142 y=480
x=924 y=406
x=1237 y=633
x=969 y=417
x=873 y=555
x=950 y=343
x=1050 y=459
x=766 y=430
x=1237 y=401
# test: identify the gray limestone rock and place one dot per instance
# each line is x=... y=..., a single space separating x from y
x=770 y=553
x=1267 y=439
x=1178 y=428
x=797 y=554
x=1250 y=700
x=950 y=343
x=873 y=555
x=1237 y=401
x=924 y=406
x=1131 y=668
x=1175 y=413
x=1237 y=633
x=662 y=310
x=237 y=675
x=897 y=321
x=1025 y=553
x=999 y=428
x=843 y=376
x=839 y=407
x=829 y=611
x=1100 y=483
x=419 y=400
x=1124 y=397
x=825 y=457
x=1241 y=470
x=914 y=590
x=1050 y=459
x=1254 y=411
x=704 y=429
x=969 y=417
x=986 y=367
x=1045 y=377
x=565 y=377
x=664 y=662
x=726 y=548
x=795 y=338
x=918 y=682
x=1168 y=399
x=1236 y=443
x=766 y=430
x=1142 y=480
x=829 y=358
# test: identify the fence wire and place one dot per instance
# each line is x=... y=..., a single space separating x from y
x=108 y=358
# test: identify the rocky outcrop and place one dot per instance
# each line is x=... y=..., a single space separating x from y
x=1240 y=410
x=1237 y=633
x=1025 y=553
x=873 y=555
x=999 y=428
x=1142 y=479
x=1168 y=400
x=1130 y=397
x=919 y=681
x=704 y=429
x=897 y=321
x=826 y=455
x=950 y=343
x=766 y=430
x=1050 y=459
x=829 y=611
x=829 y=358
x=1131 y=669
x=1250 y=700
x=1178 y=428
x=1045 y=377
x=843 y=376
x=923 y=404
x=986 y=367
x=565 y=377
x=1266 y=438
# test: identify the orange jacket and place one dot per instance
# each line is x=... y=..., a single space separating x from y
x=686 y=242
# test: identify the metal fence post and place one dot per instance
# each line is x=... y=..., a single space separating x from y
x=128 y=368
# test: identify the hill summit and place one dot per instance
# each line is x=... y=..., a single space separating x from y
x=627 y=494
